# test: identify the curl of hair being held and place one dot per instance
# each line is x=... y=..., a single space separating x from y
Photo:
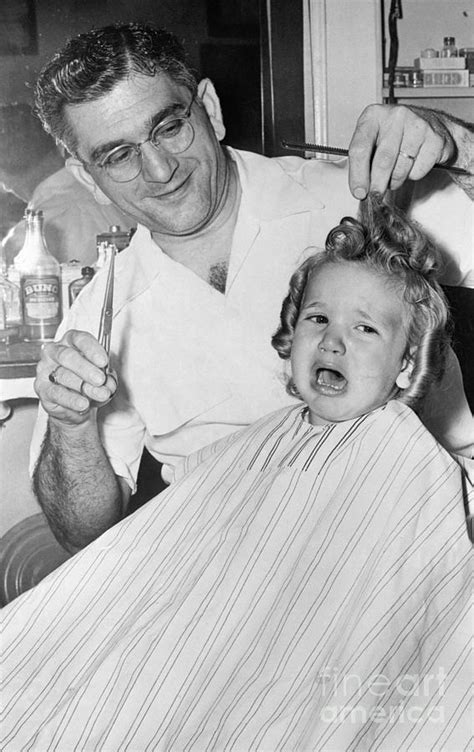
x=390 y=244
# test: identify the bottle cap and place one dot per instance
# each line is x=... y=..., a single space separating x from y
x=449 y=40
x=429 y=52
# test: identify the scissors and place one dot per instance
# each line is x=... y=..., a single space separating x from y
x=336 y=150
x=105 y=327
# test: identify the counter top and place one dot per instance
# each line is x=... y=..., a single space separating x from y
x=17 y=373
x=18 y=360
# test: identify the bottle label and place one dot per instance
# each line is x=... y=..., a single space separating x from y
x=41 y=300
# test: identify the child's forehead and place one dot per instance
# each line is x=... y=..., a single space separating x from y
x=331 y=272
x=351 y=282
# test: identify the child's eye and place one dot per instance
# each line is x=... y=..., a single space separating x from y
x=367 y=329
x=318 y=318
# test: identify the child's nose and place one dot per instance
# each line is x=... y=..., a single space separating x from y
x=332 y=341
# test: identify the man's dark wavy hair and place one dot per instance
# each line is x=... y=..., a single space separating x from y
x=387 y=242
x=91 y=64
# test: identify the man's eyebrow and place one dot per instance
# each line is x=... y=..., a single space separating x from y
x=104 y=149
x=177 y=108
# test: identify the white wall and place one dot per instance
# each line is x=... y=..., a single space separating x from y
x=343 y=66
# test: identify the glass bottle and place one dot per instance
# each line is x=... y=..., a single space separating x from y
x=24 y=252
x=70 y=271
x=14 y=268
x=10 y=306
x=40 y=286
x=77 y=285
x=115 y=236
x=449 y=48
x=104 y=251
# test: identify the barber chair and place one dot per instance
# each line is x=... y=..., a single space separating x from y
x=29 y=551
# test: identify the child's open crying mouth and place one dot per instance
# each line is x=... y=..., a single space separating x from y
x=330 y=381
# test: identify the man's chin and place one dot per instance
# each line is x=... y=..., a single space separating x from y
x=189 y=225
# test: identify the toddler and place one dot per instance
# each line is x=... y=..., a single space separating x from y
x=365 y=320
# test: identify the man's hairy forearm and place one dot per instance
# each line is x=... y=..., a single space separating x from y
x=461 y=133
x=76 y=486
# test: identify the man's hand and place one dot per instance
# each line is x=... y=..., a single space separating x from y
x=71 y=377
x=392 y=143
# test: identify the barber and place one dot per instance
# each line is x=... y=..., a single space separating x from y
x=199 y=289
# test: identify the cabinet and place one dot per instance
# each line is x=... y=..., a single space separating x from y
x=457 y=101
x=424 y=24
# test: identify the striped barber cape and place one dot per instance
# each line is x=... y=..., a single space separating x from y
x=297 y=588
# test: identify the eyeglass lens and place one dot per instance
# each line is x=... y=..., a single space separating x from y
x=125 y=163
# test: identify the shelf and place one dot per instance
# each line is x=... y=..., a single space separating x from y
x=431 y=92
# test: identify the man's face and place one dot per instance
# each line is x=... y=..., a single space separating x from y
x=174 y=194
x=349 y=342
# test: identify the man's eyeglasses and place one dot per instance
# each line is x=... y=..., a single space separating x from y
x=124 y=163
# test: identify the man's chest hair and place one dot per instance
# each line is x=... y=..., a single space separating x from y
x=218 y=276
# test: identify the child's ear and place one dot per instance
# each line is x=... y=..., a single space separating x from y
x=403 y=379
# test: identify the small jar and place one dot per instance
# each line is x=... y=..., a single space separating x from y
x=78 y=285
x=468 y=53
x=429 y=52
x=416 y=79
x=449 y=48
x=399 y=79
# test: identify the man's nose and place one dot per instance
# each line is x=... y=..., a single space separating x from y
x=333 y=341
x=158 y=165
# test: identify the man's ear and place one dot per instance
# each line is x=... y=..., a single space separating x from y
x=403 y=379
x=208 y=96
x=76 y=168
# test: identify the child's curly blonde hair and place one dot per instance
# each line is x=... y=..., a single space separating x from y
x=385 y=241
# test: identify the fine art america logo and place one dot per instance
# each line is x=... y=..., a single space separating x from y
x=379 y=699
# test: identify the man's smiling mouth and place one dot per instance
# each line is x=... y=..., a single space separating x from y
x=173 y=191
